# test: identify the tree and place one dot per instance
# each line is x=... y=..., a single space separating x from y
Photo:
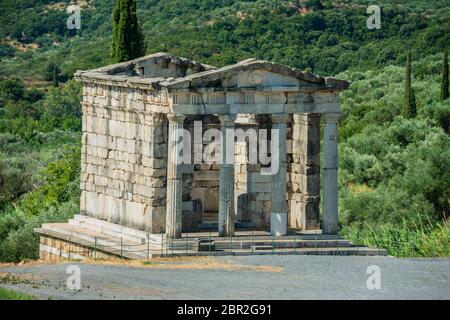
x=52 y=73
x=11 y=90
x=7 y=51
x=444 y=80
x=409 y=103
x=128 y=40
x=55 y=79
x=314 y=5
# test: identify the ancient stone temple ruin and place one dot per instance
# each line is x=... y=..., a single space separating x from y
x=134 y=186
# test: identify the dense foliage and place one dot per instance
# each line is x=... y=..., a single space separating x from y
x=325 y=40
x=394 y=168
x=39 y=162
x=445 y=78
x=395 y=171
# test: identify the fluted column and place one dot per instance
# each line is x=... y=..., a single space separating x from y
x=174 y=176
x=278 y=218
x=330 y=174
x=226 y=183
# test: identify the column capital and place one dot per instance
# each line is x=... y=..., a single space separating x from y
x=227 y=120
x=279 y=117
x=332 y=117
x=176 y=117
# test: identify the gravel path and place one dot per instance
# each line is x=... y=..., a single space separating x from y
x=254 y=277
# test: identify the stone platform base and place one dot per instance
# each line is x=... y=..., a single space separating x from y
x=89 y=238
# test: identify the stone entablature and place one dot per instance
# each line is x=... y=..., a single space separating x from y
x=132 y=110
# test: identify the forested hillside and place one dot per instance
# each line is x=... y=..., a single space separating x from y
x=326 y=40
x=394 y=170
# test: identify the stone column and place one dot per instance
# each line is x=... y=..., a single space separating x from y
x=278 y=217
x=226 y=183
x=174 y=176
x=330 y=174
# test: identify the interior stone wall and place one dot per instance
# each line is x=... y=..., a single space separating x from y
x=303 y=171
x=252 y=189
x=200 y=180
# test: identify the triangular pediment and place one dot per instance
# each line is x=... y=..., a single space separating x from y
x=254 y=73
x=175 y=73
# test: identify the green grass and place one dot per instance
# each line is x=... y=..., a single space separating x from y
x=431 y=240
x=12 y=295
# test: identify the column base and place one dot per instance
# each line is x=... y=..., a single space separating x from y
x=278 y=224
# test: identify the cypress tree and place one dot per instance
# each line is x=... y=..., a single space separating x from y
x=409 y=102
x=128 y=40
x=55 y=78
x=444 y=80
x=412 y=104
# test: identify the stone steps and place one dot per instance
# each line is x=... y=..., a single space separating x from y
x=129 y=243
x=215 y=225
x=92 y=238
x=261 y=247
x=360 y=251
x=115 y=230
x=210 y=217
x=281 y=244
x=100 y=229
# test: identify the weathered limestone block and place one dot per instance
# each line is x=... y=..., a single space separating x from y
x=206 y=175
x=209 y=198
x=150 y=182
x=260 y=212
x=150 y=172
x=116 y=128
x=154 y=163
x=122 y=165
x=243 y=210
x=305 y=184
x=155 y=219
x=90 y=199
x=83 y=209
x=133 y=215
x=207 y=184
x=192 y=215
x=126 y=145
x=149 y=192
x=151 y=133
x=100 y=126
x=308 y=218
x=154 y=150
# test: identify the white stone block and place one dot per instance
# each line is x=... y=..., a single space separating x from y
x=91 y=203
x=278 y=224
x=116 y=128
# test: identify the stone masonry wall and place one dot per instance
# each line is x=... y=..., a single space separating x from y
x=252 y=189
x=304 y=171
x=124 y=157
